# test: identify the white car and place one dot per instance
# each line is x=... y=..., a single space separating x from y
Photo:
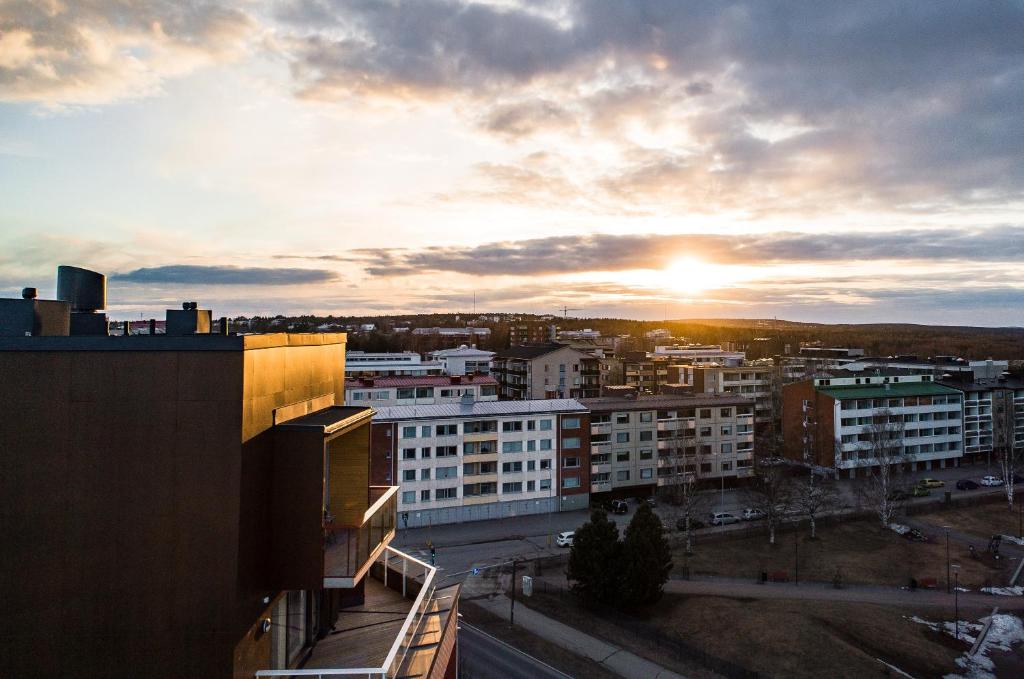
x=565 y=539
x=991 y=481
x=723 y=519
x=752 y=514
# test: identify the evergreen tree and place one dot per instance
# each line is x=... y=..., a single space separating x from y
x=646 y=558
x=594 y=567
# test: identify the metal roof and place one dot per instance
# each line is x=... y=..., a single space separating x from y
x=879 y=391
x=479 y=409
x=419 y=381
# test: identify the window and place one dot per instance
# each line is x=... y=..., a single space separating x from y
x=445 y=430
x=647 y=473
x=447 y=472
x=447 y=451
x=622 y=418
x=622 y=437
x=727 y=430
x=425 y=495
x=622 y=456
x=447 y=493
x=512 y=447
x=488 y=390
x=545 y=484
x=511 y=467
x=531 y=486
x=408 y=474
x=726 y=448
x=570 y=462
x=512 y=426
x=646 y=454
x=646 y=417
x=705 y=431
x=425 y=453
x=571 y=442
x=705 y=468
x=405 y=393
x=570 y=423
x=726 y=412
x=545 y=444
x=512 y=487
x=424 y=392
x=409 y=497
x=425 y=474
x=531 y=425
x=480 y=447
x=425 y=431
x=622 y=475
x=531 y=446
x=408 y=432
x=359 y=395
x=726 y=466
x=531 y=465
x=647 y=436
x=545 y=464
x=408 y=453
x=545 y=425
x=480 y=426
x=705 y=413
x=571 y=482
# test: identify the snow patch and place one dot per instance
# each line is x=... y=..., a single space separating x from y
x=962 y=589
x=1004 y=591
x=899 y=528
x=1016 y=541
x=1006 y=630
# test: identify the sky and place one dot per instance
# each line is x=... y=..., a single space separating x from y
x=829 y=161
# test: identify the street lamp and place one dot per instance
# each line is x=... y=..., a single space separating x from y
x=956 y=601
x=946 y=528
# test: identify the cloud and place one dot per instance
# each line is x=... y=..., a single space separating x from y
x=87 y=52
x=606 y=252
x=186 y=274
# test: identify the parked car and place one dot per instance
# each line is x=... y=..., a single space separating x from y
x=565 y=539
x=991 y=481
x=752 y=514
x=966 y=484
x=695 y=523
x=931 y=483
x=618 y=507
x=921 y=491
x=723 y=518
x=651 y=502
x=898 y=494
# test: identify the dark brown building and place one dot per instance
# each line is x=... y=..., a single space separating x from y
x=199 y=506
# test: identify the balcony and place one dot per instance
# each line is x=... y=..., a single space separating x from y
x=600 y=487
x=349 y=550
x=601 y=468
x=600 y=427
x=404 y=627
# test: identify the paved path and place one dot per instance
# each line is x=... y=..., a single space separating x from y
x=619 y=661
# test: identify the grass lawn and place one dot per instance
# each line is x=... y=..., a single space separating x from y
x=863 y=552
x=983 y=520
x=777 y=638
x=545 y=651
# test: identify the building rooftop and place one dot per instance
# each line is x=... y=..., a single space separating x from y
x=197 y=342
x=603 y=403
x=530 y=350
x=419 y=381
x=479 y=409
x=330 y=419
x=883 y=390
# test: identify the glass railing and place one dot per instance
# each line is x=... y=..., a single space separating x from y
x=348 y=550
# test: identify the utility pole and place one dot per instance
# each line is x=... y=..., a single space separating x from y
x=946 y=528
x=956 y=601
x=796 y=554
x=512 y=600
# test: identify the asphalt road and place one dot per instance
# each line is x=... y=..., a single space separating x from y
x=484 y=657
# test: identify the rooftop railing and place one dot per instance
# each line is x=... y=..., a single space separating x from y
x=349 y=550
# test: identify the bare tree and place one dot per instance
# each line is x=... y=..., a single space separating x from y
x=882 y=448
x=771 y=492
x=681 y=490
x=813 y=499
x=1008 y=454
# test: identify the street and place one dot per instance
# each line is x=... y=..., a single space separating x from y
x=484 y=657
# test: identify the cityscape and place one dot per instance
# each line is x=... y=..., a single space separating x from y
x=511 y=339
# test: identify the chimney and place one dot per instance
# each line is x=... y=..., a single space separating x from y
x=456 y=379
x=367 y=381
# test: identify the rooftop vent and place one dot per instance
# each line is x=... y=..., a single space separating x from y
x=86 y=290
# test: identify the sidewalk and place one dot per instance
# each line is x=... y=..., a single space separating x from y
x=623 y=663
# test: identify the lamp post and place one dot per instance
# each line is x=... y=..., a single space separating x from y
x=796 y=554
x=956 y=601
x=946 y=529
x=1020 y=520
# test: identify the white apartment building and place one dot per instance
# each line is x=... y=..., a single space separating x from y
x=698 y=354
x=384 y=364
x=837 y=418
x=753 y=379
x=419 y=391
x=473 y=461
x=639 y=443
x=993 y=416
x=464 y=360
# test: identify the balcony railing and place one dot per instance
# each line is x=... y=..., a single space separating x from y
x=349 y=550
x=405 y=639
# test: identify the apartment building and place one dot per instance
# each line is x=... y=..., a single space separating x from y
x=936 y=366
x=469 y=332
x=699 y=354
x=377 y=392
x=520 y=334
x=833 y=420
x=645 y=372
x=196 y=504
x=546 y=371
x=993 y=415
x=464 y=360
x=752 y=379
x=389 y=364
x=473 y=460
x=637 y=443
